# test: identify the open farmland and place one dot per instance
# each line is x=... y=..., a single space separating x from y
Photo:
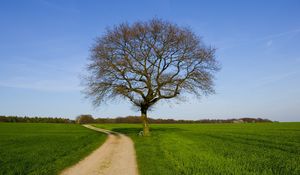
x=264 y=148
x=36 y=148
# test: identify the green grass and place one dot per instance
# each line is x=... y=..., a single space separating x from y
x=28 y=148
x=188 y=149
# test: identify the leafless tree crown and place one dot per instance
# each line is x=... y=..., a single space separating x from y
x=149 y=61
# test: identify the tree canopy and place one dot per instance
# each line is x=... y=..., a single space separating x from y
x=146 y=62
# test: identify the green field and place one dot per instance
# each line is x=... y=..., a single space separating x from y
x=188 y=149
x=28 y=148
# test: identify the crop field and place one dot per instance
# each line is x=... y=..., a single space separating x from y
x=29 y=148
x=185 y=149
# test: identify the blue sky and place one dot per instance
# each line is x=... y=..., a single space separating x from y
x=44 y=46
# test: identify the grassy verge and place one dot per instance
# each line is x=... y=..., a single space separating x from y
x=185 y=149
x=29 y=148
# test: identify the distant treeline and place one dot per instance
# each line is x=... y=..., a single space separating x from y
x=34 y=119
x=137 y=119
x=129 y=119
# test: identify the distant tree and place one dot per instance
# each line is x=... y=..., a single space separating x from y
x=83 y=119
x=147 y=62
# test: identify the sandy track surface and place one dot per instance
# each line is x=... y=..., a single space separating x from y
x=115 y=157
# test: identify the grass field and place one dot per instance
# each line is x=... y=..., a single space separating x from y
x=189 y=149
x=28 y=148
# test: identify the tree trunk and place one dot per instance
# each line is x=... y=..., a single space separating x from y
x=146 y=131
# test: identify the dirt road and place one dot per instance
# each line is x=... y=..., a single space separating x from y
x=115 y=157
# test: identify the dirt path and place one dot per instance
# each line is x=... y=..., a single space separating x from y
x=115 y=157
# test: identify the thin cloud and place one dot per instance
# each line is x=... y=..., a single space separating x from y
x=269 y=43
x=276 y=78
x=42 y=85
x=36 y=67
x=269 y=38
x=278 y=35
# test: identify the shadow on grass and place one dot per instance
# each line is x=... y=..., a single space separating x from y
x=135 y=131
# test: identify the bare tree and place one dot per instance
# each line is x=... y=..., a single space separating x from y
x=149 y=61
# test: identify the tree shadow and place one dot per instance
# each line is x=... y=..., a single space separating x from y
x=135 y=131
